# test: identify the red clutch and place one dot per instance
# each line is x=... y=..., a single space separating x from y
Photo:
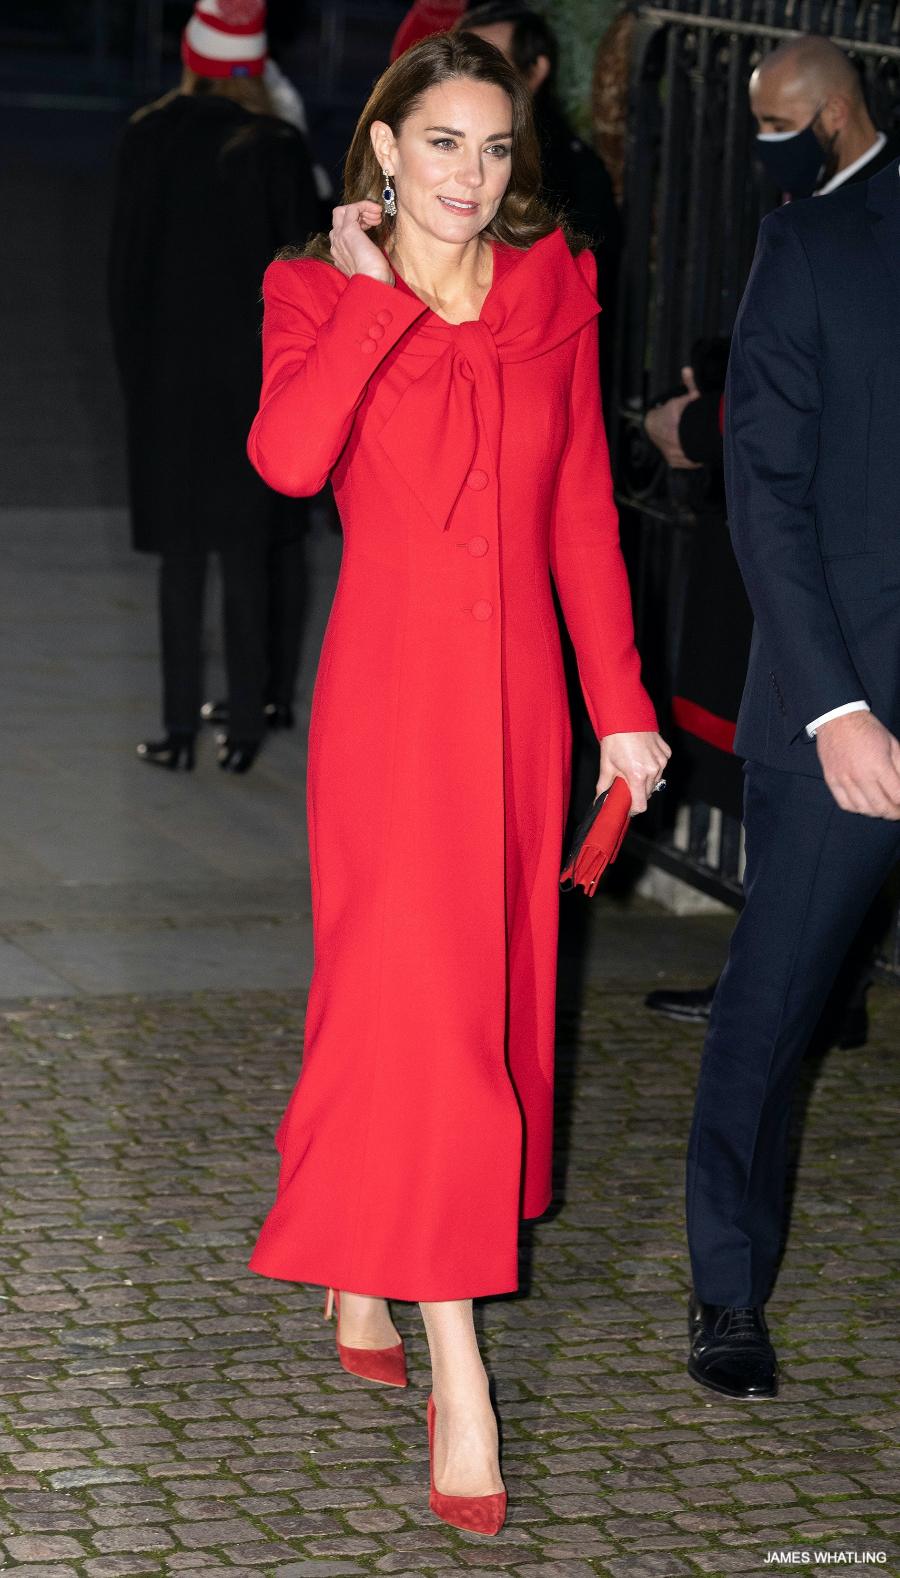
x=598 y=839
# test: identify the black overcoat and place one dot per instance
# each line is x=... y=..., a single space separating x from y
x=811 y=467
x=206 y=195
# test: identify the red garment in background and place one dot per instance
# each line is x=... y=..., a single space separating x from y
x=424 y=18
x=466 y=461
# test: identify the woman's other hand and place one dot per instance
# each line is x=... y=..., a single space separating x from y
x=638 y=758
x=351 y=248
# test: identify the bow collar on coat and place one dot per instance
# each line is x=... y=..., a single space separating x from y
x=538 y=299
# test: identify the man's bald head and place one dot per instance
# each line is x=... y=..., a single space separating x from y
x=809 y=81
x=801 y=75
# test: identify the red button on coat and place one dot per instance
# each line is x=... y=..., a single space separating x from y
x=368 y=346
x=377 y=331
x=477 y=480
x=478 y=547
x=385 y=317
x=482 y=610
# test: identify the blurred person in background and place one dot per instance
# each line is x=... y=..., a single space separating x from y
x=815 y=130
x=717 y=623
x=284 y=19
x=210 y=185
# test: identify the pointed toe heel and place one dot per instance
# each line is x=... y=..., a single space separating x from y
x=387 y=1365
x=478 y=1514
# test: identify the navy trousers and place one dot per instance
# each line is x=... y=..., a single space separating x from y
x=812 y=871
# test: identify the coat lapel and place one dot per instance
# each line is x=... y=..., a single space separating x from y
x=541 y=300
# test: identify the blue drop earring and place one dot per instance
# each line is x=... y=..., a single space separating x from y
x=389 y=196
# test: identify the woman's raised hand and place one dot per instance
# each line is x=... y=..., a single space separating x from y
x=638 y=758
x=351 y=248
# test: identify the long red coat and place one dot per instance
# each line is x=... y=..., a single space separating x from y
x=468 y=461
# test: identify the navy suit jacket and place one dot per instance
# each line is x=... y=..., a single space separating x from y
x=812 y=466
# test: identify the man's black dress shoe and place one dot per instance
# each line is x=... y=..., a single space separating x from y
x=214 y=712
x=730 y=1350
x=851 y=1029
x=279 y=715
x=176 y=752
x=238 y=756
x=690 y=1007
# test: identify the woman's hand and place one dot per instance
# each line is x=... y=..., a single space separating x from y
x=638 y=758
x=351 y=248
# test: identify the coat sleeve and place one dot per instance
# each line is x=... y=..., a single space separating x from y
x=773 y=405
x=587 y=564
x=318 y=356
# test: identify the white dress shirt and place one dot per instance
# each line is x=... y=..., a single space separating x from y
x=858 y=164
x=836 y=712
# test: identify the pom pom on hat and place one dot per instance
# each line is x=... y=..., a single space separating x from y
x=226 y=38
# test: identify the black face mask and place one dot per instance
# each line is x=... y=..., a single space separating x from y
x=795 y=163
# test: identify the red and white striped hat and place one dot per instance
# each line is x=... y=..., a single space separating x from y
x=226 y=38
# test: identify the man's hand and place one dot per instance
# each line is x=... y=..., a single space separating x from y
x=638 y=758
x=861 y=762
x=662 y=422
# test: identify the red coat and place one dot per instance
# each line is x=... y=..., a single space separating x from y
x=467 y=461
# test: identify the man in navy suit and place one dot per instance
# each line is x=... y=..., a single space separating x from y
x=813 y=489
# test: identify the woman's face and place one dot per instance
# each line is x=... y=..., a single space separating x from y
x=450 y=163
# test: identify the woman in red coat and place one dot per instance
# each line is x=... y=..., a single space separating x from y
x=446 y=381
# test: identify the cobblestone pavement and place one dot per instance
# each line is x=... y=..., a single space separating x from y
x=168 y=1413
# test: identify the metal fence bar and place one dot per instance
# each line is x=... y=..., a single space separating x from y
x=722 y=24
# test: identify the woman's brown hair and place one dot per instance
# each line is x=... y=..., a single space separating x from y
x=522 y=218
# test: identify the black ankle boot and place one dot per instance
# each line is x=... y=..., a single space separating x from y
x=176 y=752
x=214 y=712
x=730 y=1350
x=279 y=715
x=853 y=1029
x=238 y=756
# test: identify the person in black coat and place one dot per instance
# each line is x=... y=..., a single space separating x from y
x=210 y=185
x=814 y=506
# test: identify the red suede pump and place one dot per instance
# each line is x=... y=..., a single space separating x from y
x=480 y=1514
x=387 y=1365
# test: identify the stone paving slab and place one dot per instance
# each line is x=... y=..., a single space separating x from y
x=163 y=1411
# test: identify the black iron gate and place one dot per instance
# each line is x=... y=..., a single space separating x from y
x=693 y=205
